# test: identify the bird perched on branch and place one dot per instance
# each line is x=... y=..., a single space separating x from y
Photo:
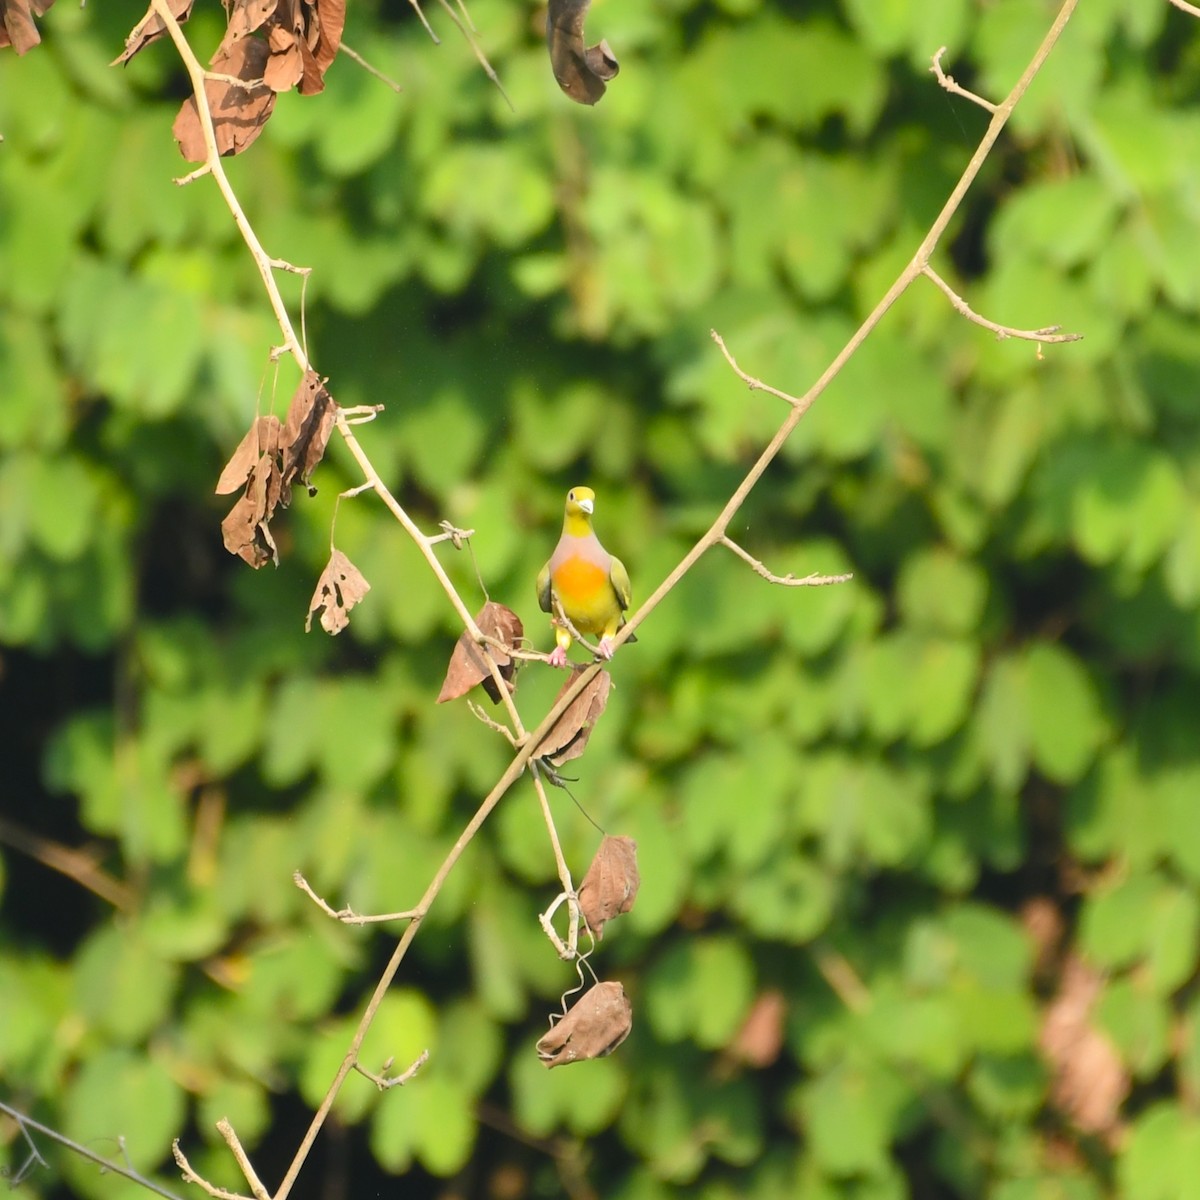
x=591 y=586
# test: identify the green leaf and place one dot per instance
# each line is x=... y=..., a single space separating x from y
x=700 y=990
x=1163 y=1148
x=1066 y=721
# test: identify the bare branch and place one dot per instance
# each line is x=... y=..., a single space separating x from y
x=384 y=1082
x=75 y=864
x=788 y=580
x=225 y=1129
x=949 y=83
x=366 y=66
x=190 y=1176
x=348 y=916
x=1049 y=335
x=755 y=385
x=1184 y=6
x=493 y=725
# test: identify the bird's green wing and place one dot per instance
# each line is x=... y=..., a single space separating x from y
x=543 y=589
x=620 y=581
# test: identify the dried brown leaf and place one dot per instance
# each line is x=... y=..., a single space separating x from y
x=16 y=23
x=581 y=73
x=261 y=438
x=330 y=21
x=284 y=67
x=1089 y=1082
x=598 y=1023
x=238 y=112
x=468 y=664
x=760 y=1039
x=341 y=586
x=245 y=528
x=245 y=16
x=306 y=432
x=611 y=884
x=150 y=28
x=568 y=736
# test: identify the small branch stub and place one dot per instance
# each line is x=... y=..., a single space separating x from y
x=952 y=85
x=1049 y=335
x=789 y=580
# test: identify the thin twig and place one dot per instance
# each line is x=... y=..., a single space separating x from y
x=225 y=1129
x=755 y=385
x=1184 y=6
x=385 y=1082
x=478 y=50
x=191 y=1176
x=952 y=85
x=348 y=916
x=366 y=66
x=493 y=725
x=1049 y=335
x=78 y=865
x=788 y=580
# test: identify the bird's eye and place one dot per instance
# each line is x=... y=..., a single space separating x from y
x=571 y=495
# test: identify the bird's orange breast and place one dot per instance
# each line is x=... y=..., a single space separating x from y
x=585 y=592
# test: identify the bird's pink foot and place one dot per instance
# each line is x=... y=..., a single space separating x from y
x=558 y=657
x=606 y=647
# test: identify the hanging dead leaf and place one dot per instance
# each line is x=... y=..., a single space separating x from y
x=16 y=23
x=149 y=29
x=581 y=73
x=325 y=36
x=245 y=16
x=468 y=665
x=306 y=432
x=1089 y=1081
x=598 y=1023
x=239 y=112
x=341 y=586
x=611 y=884
x=568 y=736
x=261 y=438
x=246 y=529
x=760 y=1039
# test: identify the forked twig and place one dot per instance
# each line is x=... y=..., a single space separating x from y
x=1050 y=335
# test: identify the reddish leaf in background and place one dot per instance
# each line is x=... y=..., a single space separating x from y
x=341 y=586
x=568 y=736
x=150 y=28
x=611 y=884
x=596 y=1026
x=468 y=666
x=238 y=113
x=16 y=23
x=760 y=1038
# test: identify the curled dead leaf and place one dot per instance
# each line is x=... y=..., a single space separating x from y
x=150 y=28
x=582 y=73
x=16 y=23
x=246 y=528
x=611 y=884
x=306 y=432
x=468 y=664
x=597 y=1024
x=341 y=586
x=239 y=111
x=261 y=438
x=568 y=736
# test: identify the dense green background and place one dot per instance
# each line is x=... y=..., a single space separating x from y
x=905 y=804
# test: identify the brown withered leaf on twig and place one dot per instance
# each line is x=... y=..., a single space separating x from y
x=238 y=112
x=581 y=73
x=568 y=736
x=149 y=29
x=1089 y=1082
x=246 y=530
x=611 y=884
x=325 y=32
x=16 y=23
x=341 y=586
x=598 y=1023
x=468 y=665
x=261 y=438
x=306 y=432
x=245 y=16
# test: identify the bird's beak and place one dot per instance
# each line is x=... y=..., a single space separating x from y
x=587 y=506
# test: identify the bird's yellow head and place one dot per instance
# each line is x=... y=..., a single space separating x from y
x=581 y=502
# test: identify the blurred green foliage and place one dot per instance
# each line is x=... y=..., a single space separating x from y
x=905 y=804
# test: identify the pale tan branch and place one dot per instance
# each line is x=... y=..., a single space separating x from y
x=366 y=66
x=347 y=915
x=190 y=1176
x=1184 y=6
x=492 y=724
x=951 y=85
x=755 y=385
x=384 y=1081
x=788 y=580
x=225 y=1129
x=1050 y=335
